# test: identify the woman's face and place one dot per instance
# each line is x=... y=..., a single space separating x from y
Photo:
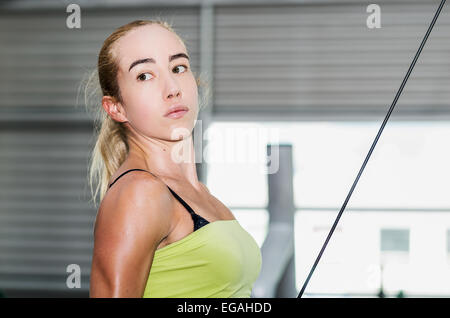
x=150 y=83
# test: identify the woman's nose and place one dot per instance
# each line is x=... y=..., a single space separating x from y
x=172 y=87
x=174 y=92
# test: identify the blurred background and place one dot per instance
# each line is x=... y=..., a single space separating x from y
x=299 y=85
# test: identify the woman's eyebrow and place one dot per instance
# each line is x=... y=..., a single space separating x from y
x=150 y=60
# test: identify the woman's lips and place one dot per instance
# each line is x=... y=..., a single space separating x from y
x=177 y=114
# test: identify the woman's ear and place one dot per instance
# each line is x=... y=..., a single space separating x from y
x=114 y=109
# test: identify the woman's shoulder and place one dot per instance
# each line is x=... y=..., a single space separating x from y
x=138 y=196
x=134 y=217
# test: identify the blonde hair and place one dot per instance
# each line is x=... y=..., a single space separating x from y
x=111 y=145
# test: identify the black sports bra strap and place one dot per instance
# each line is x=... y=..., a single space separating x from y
x=182 y=201
x=125 y=173
x=198 y=220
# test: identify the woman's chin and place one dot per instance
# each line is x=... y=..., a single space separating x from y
x=180 y=133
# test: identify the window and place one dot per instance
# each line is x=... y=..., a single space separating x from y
x=394 y=240
x=395 y=214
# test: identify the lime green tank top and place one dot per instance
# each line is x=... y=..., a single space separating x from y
x=219 y=260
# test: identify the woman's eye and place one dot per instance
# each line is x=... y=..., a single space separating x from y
x=143 y=77
x=181 y=66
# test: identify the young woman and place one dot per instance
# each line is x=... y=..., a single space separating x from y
x=159 y=232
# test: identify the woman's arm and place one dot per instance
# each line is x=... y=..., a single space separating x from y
x=130 y=224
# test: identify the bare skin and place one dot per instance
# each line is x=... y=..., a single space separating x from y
x=138 y=214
